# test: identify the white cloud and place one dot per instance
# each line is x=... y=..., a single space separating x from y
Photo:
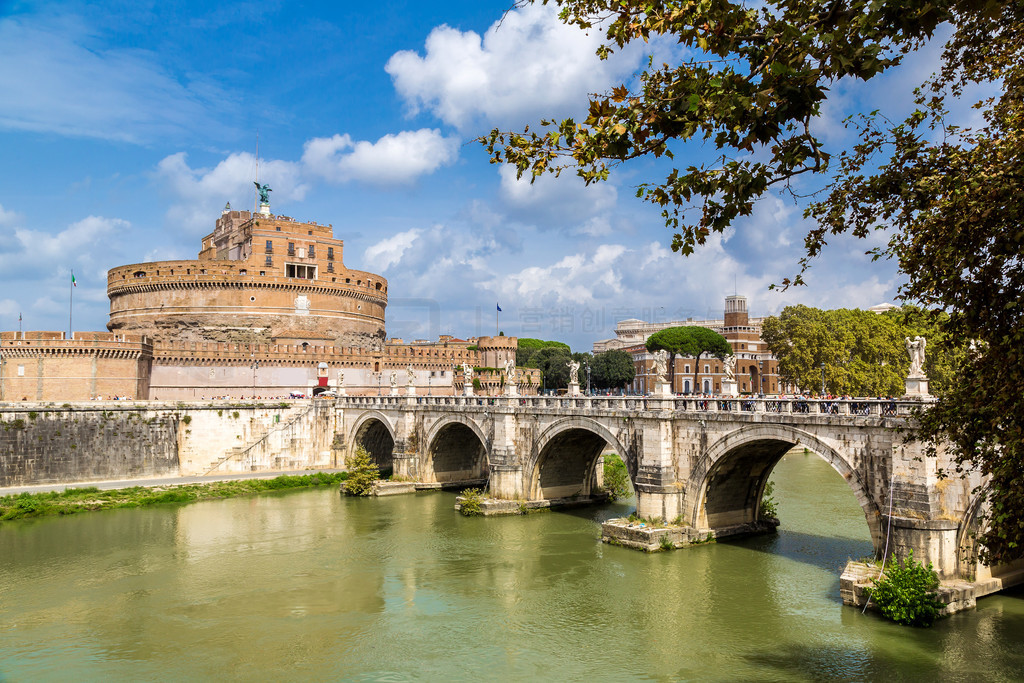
x=562 y=198
x=393 y=159
x=83 y=242
x=527 y=65
x=36 y=265
x=7 y=217
x=200 y=193
x=388 y=252
x=57 y=77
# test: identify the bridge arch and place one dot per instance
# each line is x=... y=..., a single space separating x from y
x=374 y=432
x=456 y=450
x=577 y=441
x=727 y=483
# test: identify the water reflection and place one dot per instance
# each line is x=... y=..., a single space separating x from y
x=313 y=585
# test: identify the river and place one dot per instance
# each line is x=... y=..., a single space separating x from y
x=311 y=585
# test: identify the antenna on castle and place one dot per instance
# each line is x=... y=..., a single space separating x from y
x=256 y=197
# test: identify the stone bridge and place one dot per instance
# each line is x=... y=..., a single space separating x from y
x=701 y=462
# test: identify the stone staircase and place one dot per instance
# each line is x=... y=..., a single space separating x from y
x=259 y=435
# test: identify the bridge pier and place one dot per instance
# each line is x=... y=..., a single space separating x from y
x=506 y=482
x=405 y=465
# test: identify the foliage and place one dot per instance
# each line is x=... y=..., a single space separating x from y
x=666 y=543
x=769 y=506
x=469 y=506
x=689 y=342
x=527 y=348
x=864 y=353
x=552 y=361
x=906 y=593
x=612 y=369
x=74 y=500
x=362 y=473
x=616 y=477
x=752 y=82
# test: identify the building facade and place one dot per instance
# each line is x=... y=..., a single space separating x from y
x=267 y=310
x=756 y=372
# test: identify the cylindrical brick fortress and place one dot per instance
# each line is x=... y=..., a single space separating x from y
x=258 y=279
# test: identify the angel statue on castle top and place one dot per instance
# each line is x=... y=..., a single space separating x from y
x=264 y=191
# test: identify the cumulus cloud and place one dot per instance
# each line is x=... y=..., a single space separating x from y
x=36 y=265
x=394 y=159
x=565 y=199
x=7 y=217
x=200 y=193
x=387 y=253
x=58 y=77
x=83 y=242
x=527 y=65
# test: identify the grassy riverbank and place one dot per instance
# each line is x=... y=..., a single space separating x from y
x=87 y=499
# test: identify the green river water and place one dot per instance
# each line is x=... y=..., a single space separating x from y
x=311 y=585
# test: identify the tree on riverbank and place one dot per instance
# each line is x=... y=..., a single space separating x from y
x=612 y=369
x=362 y=473
x=752 y=83
x=864 y=353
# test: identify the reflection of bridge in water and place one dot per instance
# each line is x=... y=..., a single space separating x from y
x=704 y=462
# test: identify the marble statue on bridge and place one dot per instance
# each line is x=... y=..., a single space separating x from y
x=574 y=371
x=730 y=367
x=915 y=349
x=510 y=371
x=661 y=364
x=410 y=375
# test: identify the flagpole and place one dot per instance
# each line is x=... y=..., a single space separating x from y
x=71 y=303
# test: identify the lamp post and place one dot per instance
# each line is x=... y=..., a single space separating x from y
x=822 y=378
x=430 y=375
x=379 y=373
x=588 y=379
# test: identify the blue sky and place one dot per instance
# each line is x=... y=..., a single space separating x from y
x=126 y=126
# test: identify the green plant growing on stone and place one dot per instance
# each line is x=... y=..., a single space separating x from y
x=906 y=593
x=470 y=504
x=769 y=507
x=363 y=472
x=187 y=419
x=666 y=543
x=616 y=478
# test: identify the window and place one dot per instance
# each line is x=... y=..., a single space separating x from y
x=330 y=253
x=330 y=267
x=243 y=271
x=270 y=261
x=21 y=371
x=312 y=251
x=686 y=369
x=270 y=247
x=707 y=369
x=300 y=271
x=291 y=248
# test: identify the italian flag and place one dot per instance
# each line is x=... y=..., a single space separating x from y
x=73 y=282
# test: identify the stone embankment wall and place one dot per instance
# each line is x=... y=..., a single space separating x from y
x=50 y=443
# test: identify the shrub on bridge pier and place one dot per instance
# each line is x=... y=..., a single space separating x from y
x=907 y=593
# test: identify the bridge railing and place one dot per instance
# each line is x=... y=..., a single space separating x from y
x=852 y=407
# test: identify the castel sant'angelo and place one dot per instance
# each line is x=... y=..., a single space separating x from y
x=267 y=309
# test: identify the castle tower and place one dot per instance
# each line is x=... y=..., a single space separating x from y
x=258 y=279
